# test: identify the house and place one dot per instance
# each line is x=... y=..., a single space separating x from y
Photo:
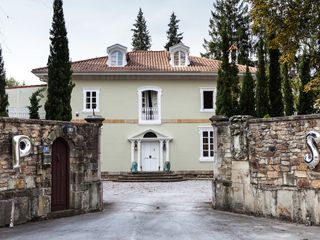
x=156 y=106
x=18 y=98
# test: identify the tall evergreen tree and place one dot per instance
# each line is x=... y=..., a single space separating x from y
x=172 y=34
x=262 y=95
x=275 y=95
x=247 y=99
x=34 y=104
x=306 y=99
x=236 y=17
x=3 y=95
x=287 y=92
x=141 y=39
x=224 y=85
x=59 y=69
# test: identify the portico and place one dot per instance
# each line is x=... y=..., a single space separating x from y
x=150 y=150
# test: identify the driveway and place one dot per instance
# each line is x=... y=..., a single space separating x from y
x=153 y=211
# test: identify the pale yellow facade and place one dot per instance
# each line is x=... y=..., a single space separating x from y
x=181 y=116
x=18 y=98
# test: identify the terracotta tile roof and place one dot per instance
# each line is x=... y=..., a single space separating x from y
x=145 y=61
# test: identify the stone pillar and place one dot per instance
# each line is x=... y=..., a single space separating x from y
x=98 y=120
x=139 y=155
x=220 y=168
x=161 y=156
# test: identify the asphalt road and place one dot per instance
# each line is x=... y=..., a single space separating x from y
x=160 y=211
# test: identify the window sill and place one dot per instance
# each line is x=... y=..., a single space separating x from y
x=90 y=110
x=204 y=159
x=153 y=122
x=207 y=110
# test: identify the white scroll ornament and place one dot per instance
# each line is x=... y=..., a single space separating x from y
x=311 y=140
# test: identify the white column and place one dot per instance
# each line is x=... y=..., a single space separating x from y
x=132 y=152
x=161 y=156
x=168 y=151
x=139 y=155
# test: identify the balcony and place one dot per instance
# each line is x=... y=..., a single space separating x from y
x=149 y=114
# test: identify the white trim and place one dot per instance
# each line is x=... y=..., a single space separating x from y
x=43 y=76
x=139 y=136
x=208 y=129
x=159 y=95
x=117 y=48
x=139 y=155
x=202 y=109
x=180 y=47
x=84 y=96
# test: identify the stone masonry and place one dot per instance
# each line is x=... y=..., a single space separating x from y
x=29 y=190
x=259 y=167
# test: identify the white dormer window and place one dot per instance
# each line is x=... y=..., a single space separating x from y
x=117 y=56
x=179 y=55
x=179 y=58
x=116 y=59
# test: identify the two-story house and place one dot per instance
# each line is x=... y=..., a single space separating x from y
x=156 y=106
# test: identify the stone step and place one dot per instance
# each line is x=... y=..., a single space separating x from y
x=151 y=180
x=149 y=177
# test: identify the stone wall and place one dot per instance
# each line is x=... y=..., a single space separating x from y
x=259 y=167
x=28 y=189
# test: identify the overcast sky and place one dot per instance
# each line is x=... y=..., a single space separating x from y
x=92 y=26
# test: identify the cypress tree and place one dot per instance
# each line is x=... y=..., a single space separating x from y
x=141 y=39
x=3 y=95
x=262 y=99
x=60 y=85
x=247 y=99
x=224 y=99
x=34 y=104
x=275 y=95
x=172 y=34
x=287 y=92
x=306 y=99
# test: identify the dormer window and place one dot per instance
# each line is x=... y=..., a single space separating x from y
x=116 y=59
x=179 y=58
x=117 y=56
x=179 y=55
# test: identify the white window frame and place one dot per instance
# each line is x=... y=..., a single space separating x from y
x=114 y=48
x=84 y=92
x=207 y=89
x=180 y=59
x=201 y=130
x=119 y=57
x=179 y=48
x=159 y=94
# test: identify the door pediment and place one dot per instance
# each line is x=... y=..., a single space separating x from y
x=140 y=136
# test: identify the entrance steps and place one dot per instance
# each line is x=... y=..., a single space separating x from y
x=150 y=177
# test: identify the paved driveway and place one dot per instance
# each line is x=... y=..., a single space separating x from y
x=160 y=211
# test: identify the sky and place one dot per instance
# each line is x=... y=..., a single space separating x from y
x=92 y=26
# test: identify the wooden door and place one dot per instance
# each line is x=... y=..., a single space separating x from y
x=60 y=175
x=150 y=156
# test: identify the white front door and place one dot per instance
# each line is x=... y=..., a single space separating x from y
x=150 y=156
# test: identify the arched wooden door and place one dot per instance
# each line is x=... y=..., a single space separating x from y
x=60 y=175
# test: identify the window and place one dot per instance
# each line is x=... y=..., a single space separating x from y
x=179 y=55
x=90 y=100
x=116 y=59
x=207 y=100
x=206 y=144
x=179 y=58
x=149 y=105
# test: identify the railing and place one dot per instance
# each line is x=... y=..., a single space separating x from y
x=149 y=113
x=23 y=112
